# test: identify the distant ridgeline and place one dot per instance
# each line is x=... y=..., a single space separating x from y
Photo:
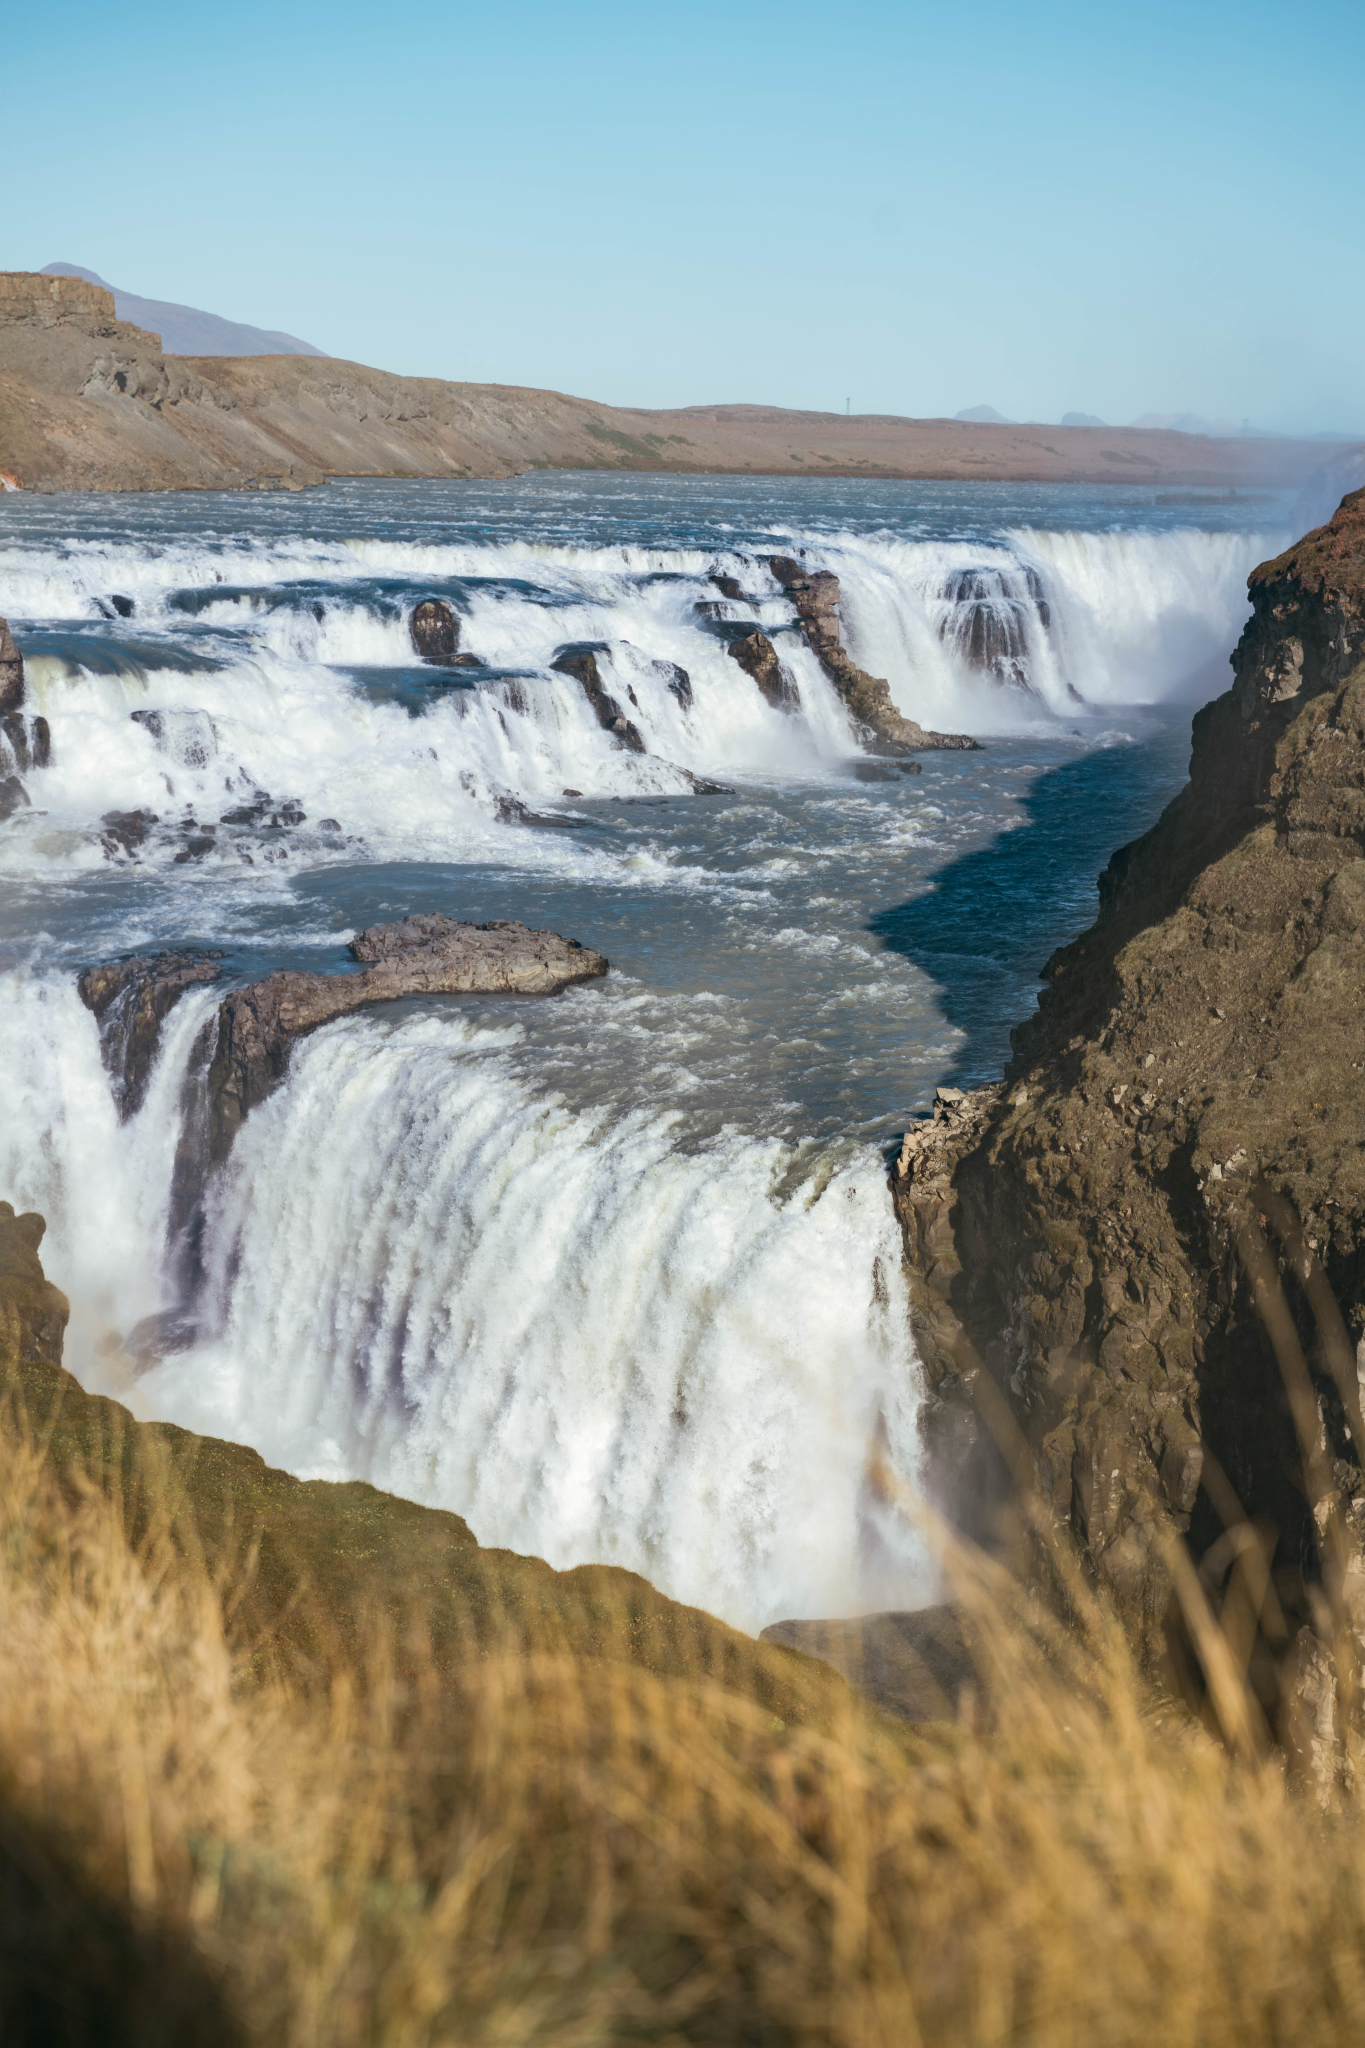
x=95 y=401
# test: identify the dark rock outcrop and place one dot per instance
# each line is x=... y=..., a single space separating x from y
x=13 y=797
x=33 y=1313
x=579 y=660
x=434 y=630
x=757 y=657
x=1196 y=1055
x=884 y=728
x=11 y=671
x=677 y=682
x=131 y=1000
x=417 y=956
x=125 y=831
x=29 y=740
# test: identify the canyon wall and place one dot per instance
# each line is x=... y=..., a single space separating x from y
x=88 y=402
x=1196 y=1054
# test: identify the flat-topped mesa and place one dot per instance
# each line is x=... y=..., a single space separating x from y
x=41 y=301
x=886 y=730
x=431 y=955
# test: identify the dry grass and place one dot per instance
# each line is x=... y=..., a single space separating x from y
x=548 y=1847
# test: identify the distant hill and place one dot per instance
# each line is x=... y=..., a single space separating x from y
x=1082 y=419
x=982 y=416
x=185 y=331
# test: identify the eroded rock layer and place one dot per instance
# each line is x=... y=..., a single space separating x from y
x=1199 y=1050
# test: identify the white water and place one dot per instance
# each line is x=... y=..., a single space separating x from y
x=429 y=1273
x=285 y=689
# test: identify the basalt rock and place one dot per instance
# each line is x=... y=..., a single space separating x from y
x=434 y=630
x=757 y=657
x=429 y=955
x=125 y=831
x=29 y=740
x=1197 y=1054
x=131 y=999
x=13 y=797
x=884 y=728
x=580 y=661
x=11 y=671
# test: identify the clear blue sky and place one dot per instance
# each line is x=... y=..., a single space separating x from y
x=1111 y=208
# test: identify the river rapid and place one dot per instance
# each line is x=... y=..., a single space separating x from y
x=614 y=1274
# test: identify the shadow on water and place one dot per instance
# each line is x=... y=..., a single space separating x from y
x=988 y=922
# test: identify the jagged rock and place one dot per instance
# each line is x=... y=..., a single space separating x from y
x=1196 y=1055
x=757 y=657
x=579 y=660
x=125 y=831
x=434 y=630
x=816 y=598
x=30 y=740
x=131 y=999
x=33 y=1313
x=11 y=671
x=425 y=955
x=13 y=797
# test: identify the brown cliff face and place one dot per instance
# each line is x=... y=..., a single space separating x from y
x=1077 y=1226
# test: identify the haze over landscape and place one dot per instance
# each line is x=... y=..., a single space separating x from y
x=1068 y=209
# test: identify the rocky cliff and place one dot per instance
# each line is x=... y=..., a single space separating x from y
x=89 y=402
x=1079 y=1234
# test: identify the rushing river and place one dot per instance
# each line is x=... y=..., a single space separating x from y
x=615 y=1274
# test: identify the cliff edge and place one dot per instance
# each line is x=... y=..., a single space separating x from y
x=1197 y=1054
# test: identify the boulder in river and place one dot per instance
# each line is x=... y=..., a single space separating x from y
x=11 y=670
x=131 y=999
x=434 y=630
x=579 y=660
x=757 y=657
x=423 y=955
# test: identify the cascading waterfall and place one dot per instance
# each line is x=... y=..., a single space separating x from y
x=616 y=1278
x=287 y=672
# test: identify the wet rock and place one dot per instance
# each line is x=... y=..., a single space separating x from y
x=434 y=630
x=29 y=740
x=676 y=681
x=125 y=831
x=885 y=729
x=131 y=999
x=579 y=660
x=882 y=771
x=730 y=586
x=189 y=737
x=196 y=847
x=757 y=656
x=13 y=797
x=11 y=671
x=423 y=955
x=116 y=607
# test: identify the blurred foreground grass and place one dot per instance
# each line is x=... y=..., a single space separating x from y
x=273 y=1770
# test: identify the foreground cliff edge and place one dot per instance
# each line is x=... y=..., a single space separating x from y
x=1198 y=1056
